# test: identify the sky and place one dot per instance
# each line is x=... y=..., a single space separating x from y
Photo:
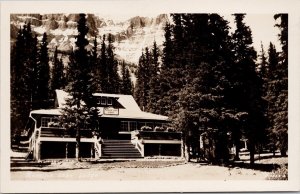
x=263 y=30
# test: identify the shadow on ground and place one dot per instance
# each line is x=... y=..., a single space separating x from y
x=255 y=166
x=244 y=163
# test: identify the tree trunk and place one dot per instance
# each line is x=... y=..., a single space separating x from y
x=187 y=153
x=252 y=152
x=283 y=152
x=77 y=144
x=237 y=152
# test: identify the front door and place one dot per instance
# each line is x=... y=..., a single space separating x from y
x=109 y=128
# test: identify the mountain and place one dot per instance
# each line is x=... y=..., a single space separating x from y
x=130 y=35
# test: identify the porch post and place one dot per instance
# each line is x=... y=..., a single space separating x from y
x=39 y=144
x=92 y=149
x=182 y=149
x=67 y=150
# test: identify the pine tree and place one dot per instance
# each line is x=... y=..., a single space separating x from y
x=178 y=41
x=103 y=67
x=18 y=89
x=79 y=109
x=140 y=82
x=281 y=103
x=31 y=69
x=246 y=95
x=23 y=77
x=263 y=65
x=58 y=76
x=167 y=49
x=201 y=99
x=126 y=86
x=43 y=72
x=165 y=77
x=271 y=94
x=112 y=68
x=154 y=91
x=95 y=67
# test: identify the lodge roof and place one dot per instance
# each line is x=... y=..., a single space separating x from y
x=127 y=101
x=130 y=111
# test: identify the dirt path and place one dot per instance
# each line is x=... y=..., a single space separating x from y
x=190 y=171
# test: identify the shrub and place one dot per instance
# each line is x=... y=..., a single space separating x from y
x=279 y=174
x=146 y=128
x=170 y=129
x=157 y=128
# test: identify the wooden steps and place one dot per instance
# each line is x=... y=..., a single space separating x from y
x=119 y=149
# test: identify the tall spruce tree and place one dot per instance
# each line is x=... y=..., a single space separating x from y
x=79 y=109
x=154 y=91
x=58 y=76
x=31 y=69
x=18 y=85
x=112 y=68
x=280 y=127
x=246 y=96
x=139 y=92
x=126 y=86
x=95 y=66
x=165 y=77
x=23 y=77
x=43 y=72
x=201 y=100
x=103 y=66
x=271 y=94
x=167 y=47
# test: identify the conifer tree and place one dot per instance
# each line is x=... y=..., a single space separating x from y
x=167 y=47
x=103 y=66
x=18 y=84
x=139 y=92
x=280 y=127
x=23 y=77
x=164 y=103
x=201 y=99
x=112 y=68
x=58 y=76
x=94 y=64
x=154 y=91
x=246 y=96
x=263 y=65
x=271 y=94
x=79 y=109
x=43 y=72
x=126 y=86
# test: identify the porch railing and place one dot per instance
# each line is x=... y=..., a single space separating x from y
x=97 y=145
x=138 y=143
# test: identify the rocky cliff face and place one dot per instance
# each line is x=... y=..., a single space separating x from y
x=130 y=35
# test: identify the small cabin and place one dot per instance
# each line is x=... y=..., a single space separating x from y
x=125 y=131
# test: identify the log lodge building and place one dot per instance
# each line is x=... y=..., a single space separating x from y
x=126 y=132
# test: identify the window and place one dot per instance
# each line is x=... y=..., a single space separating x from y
x=46 y=121
x=109 y=101
x=158 y=124
x=132 y=126
x=128 y=125
x=124 y=126
x=103 y=100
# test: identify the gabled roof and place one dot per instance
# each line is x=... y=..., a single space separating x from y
x=130 y=111
x=46 y=112
x=127 y=101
